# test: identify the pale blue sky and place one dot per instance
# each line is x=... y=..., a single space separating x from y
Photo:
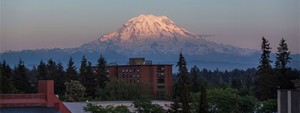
x=34 y=24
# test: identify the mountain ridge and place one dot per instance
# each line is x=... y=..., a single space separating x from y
x=150 y=32
x=154 y=37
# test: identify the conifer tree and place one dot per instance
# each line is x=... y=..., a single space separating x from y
x=6 y=79
x=283 y=56
x=51 y=69
x=71 y=70
x=59 y=79
x=194 y=79
x=183 y=84
x=203 y=103
x=83 y=69
x=265 y=81
x=282 y=59
x=87 y=77
x=21 y=80
x=101 y=72
x=90 y=81
x=42 y=71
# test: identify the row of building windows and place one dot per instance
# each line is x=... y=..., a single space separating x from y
x=130 y=76
x=160 y=77
x=128 y=80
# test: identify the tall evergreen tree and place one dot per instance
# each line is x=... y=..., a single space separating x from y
x=21 y=80
x=83 y=69
x=42 y=71
x=195 y=79
x=71 y=70
x=51 y=69
x=90 y=81
x=101 y=73
x=6 y=79
x=283 y=56
x=282 y=59
x=265 y=81
x=59 y=79
x=32 y=75
x=265 y=62
x=87 y=77
x=183 y=84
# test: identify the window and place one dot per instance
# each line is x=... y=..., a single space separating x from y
x=161 y=81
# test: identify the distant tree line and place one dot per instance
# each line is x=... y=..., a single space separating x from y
x=197 y=90
x=250 y=90
x=94 y=81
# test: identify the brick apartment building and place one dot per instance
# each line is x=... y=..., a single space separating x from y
x=157 y=76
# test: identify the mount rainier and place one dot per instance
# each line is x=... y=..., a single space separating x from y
x=156 y=38
x=149 y=34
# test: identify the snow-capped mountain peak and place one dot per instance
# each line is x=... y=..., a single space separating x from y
x=147 y=26
x=150 y=34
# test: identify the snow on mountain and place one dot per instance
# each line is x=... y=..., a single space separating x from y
x=154 y=37
x=150 y=34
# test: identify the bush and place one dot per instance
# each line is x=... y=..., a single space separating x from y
x=144 y=105
x=268 y=106
x=108 y=109
x=74 y=90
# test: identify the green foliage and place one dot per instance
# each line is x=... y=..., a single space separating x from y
x=101 y=73
x=74 y=90
x=59 y=79
x=247 y=104
x=108 y=109
x=71 y=70
x=6 y=79
x=223 y=100
x=51 y=70
x=176 y=107
x=161 y=95
x=87 y=78
x=183 y=86
x=227 y=101
x=203 y=102
x=265 y=57
x=282 y=54
x=265 y=84
x=282 y=59
x=118 y=89
x=21 y=80
x=42 y=71
x=144 y=105
x=268 y=106
x=195 y=102
x=195 y=83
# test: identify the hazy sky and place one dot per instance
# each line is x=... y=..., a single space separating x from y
x=34 y=24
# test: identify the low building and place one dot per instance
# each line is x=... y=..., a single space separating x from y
x=157 y=76
x=43 y=101
x=288 y=100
